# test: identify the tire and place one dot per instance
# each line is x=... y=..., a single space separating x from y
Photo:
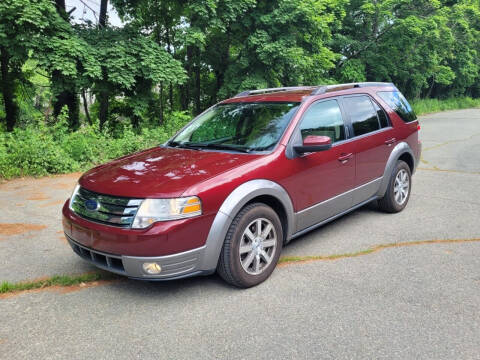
x=242 y=250
x=399 y=188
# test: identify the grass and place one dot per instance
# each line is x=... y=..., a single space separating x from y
x=427 y=106
x=57 y=280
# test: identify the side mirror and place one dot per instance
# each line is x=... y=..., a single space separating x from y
x=313 y=143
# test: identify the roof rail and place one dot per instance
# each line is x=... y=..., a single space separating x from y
x=271 y=90
x=337 y=87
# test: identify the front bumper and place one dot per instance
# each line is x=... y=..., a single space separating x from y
x=175 y=266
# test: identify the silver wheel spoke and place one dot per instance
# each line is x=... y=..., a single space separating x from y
x=245 y=248
x=265 y=256
x=259 y=227
x=248 y=260
x=266 y=231
x=249 y=234
x=269 y=243
x=257 y=264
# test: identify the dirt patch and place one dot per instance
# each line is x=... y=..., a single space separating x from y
x=18 y=228
x=20 y=205
x=52 y=203
x=60 y=289
x=38 y=196
x=3 y=341
x=62 y=186
x=32 y=182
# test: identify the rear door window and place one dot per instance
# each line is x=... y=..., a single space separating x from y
x=397 y=102
x=323 y=118
x=363 y=115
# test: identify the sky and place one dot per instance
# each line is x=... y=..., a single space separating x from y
x=90 y=9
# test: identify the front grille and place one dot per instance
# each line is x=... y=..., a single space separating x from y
x=110 y=210
x=105 y=261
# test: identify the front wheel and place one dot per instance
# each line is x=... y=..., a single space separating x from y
x=252 y=246
x=398 y=191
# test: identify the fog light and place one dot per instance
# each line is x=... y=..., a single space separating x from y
x=152 y=268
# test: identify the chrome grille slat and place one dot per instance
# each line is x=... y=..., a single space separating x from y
x=109 y=199
x=112 y=210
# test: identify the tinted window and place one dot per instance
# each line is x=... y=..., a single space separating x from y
x=323 y=118
x=399 y=104
x=362 y=114
x=248 y=126
x=381 y=115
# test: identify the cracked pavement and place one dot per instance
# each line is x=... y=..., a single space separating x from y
x=418 y=301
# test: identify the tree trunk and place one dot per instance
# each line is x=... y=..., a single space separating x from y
x=103 y=96
x=61 y=9
x=8 y=91
x=161 y=104
x=185 y=99
x=103 y=109
x=102 y=19
x=67 y=96
x=85 y=107
x=198 y=106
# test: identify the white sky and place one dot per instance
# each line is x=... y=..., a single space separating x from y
x=90 y=9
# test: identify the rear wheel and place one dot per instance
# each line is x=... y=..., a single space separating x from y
x=398 y=190
x=252 y=246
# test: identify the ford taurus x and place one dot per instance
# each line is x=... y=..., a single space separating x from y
x=244 y=178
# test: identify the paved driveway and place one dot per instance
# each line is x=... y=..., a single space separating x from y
x=404 y=286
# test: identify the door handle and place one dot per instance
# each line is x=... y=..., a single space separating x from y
x=390 y=141
x=344 y=157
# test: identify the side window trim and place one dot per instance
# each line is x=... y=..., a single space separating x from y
x=348 y=120
x=342 y=113
x=296 y=136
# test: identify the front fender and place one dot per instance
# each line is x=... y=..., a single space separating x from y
x=234 y=202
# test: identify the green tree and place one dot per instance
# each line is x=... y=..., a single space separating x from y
x=22 y=25
x=133 y=66
x=424 y=46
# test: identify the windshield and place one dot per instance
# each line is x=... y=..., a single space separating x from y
x=238 y=126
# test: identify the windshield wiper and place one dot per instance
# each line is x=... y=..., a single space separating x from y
x=192 y=145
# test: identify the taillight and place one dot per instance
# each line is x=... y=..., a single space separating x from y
x=418 y=127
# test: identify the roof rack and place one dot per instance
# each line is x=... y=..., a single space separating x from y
x=337 y=87
x=316 y=90
x=271 y=90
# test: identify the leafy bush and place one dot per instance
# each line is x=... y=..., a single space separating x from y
x=41 y=149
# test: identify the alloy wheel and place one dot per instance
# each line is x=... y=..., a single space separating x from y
x=257 y=246
x=401 y=187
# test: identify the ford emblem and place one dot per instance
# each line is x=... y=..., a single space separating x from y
x=92 y=204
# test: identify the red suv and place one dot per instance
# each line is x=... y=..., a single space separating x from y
x=244 y=178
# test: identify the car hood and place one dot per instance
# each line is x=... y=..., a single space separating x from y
x=160 y=172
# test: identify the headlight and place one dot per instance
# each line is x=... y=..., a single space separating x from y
x=153 y=210
x=74 y=193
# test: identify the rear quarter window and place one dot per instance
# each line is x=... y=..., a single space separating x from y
x=397 y=102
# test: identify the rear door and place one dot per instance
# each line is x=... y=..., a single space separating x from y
x=373 y=139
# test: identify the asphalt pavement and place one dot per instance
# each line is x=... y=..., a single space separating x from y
x=416 y=296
